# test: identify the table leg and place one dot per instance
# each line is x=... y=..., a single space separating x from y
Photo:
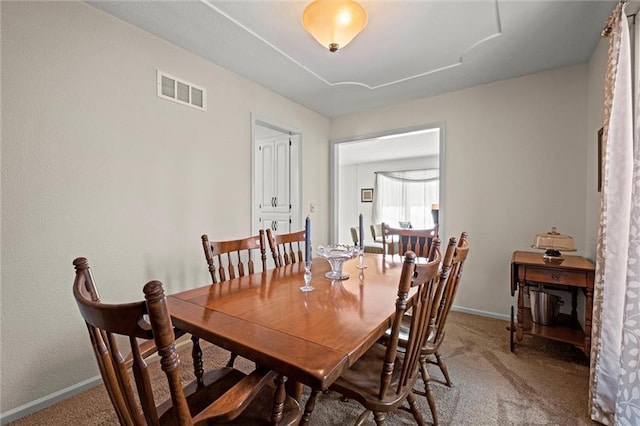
x=519 y=330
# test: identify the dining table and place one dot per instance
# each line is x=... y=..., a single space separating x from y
x=309 y=337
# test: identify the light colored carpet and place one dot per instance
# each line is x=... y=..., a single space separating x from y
x=542 y=383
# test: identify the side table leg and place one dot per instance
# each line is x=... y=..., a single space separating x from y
x=519 y=330
x=574 y=304
x=588 y=311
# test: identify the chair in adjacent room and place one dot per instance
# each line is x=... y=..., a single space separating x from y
x=445 y=296
x=382 y=379
x=286 y=248
x=376 y=232
x=234 y=258
x=373 y=247
x=223 y=395
x=400 y=240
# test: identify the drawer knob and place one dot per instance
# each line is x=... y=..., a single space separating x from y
x=555 y=276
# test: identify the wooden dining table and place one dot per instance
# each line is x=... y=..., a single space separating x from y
x=310 y=337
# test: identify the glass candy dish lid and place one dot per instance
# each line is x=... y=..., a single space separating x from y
x=553 y=240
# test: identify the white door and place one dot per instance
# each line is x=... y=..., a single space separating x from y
x=273 y=171
x=278 y=223
x=276 y=186
x=282 y=174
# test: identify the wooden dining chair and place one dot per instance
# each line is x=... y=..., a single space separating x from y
x=221 y=396
x=234 y=258
x=286 y=248
x=400 y=240
x=384 y=377
x=454 y=260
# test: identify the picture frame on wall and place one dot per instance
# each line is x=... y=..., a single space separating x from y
x=366 y=195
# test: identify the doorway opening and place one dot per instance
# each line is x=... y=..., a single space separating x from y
x=355 y=162
x=275 y=176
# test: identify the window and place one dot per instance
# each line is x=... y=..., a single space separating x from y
x=406 y=196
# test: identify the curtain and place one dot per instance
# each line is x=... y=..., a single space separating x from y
x=406 y=196
x=615 y=351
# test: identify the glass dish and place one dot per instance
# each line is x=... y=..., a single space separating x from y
x=336 y=255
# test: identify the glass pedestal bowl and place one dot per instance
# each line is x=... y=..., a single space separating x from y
x=336 y=255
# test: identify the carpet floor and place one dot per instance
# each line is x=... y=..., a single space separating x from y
x=542 y=383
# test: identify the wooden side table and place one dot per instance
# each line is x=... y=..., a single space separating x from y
x=574 y=273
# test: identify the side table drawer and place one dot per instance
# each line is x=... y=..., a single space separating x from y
x=555 y=276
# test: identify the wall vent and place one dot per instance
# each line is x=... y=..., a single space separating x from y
x=180 y=91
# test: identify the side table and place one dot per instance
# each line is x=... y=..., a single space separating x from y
x=574 y=273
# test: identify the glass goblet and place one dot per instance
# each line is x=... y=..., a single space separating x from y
x=307 y=278
x=361 y=264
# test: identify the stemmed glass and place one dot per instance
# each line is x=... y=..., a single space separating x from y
x=307 y=278
x=361 y=264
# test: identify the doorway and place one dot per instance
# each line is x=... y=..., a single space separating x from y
x=275 y=176
x=355 y=160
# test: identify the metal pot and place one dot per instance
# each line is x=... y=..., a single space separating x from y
x=544 y=306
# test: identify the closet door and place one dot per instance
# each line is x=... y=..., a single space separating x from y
x=273 y=171
x=265 y=169
x=282 y=174
x=278 y=223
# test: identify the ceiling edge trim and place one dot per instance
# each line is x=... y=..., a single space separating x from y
x=498 y=33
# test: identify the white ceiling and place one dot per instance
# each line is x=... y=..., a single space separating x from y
x=423 y=143
x=409 y=49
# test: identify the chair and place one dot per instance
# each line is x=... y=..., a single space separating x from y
x=238 y=261
x=368 y=247
x=384 y=377
x=445 y=296
x=239 y=256
x=286 y=248
x=222 y=395
x=415 y=240
x=376 y=232
x=354 y=236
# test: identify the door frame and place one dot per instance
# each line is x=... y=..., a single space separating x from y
x=295 y=175
x=334 y=168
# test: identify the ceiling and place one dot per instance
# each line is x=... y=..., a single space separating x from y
x=424 y=143
x=410 y=49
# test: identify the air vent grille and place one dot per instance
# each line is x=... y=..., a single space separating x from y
x=180 y=91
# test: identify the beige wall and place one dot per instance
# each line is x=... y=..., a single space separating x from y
x=95 y=165
x=515 y=165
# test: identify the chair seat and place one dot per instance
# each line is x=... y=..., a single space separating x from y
x=373 y=248
x=429 y=346
x=218 y=382
x=361 y=382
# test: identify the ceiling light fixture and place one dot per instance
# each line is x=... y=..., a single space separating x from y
x=334 y=23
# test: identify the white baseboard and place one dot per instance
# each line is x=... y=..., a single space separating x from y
x=49 y=400
x=481 y=313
